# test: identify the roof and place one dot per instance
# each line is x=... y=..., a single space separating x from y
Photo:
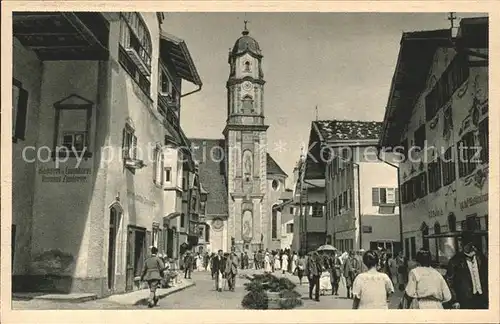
x=473 y=33
x=212 y=175
x=273 y=167
x=175 y=50
x=415 y=58
x=340 y=130
x=246 y=44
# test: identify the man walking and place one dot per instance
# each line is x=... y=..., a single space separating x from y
x=231 y=270
x=152 y=273
x=188 y=265
x=314 y=270
x=218 y=268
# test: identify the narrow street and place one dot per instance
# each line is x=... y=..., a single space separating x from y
x=204 y=296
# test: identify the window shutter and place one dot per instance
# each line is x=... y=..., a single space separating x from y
x=396 y=196
x=149 y=242
x=351 y=196
x=124 y=144
x=310 y=208
x=323 y=210
x=22 y=110
x=375 y=197
x=155 y=166
x=134 y=147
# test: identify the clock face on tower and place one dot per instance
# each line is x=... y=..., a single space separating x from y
x=247 y=86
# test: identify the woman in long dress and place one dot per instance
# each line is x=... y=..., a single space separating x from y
x=426 y=288
x=267 y=263
x=277 y=261
x=284 y=262
x=199 y=262
x=371 y=289
x=325 y=282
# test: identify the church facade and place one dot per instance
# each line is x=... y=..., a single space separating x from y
x=242 y=180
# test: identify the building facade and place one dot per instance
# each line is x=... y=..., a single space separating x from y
x=360 y=191
x=242 y=179
x=442 y=138
x=97 y=148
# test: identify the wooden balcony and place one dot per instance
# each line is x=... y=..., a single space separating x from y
x=59 y=36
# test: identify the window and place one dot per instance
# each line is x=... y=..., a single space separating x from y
x=413 y=247
x=420 y=185
x=275 y=184
x=247 y=66
x=335 y=206
x=291 y=210
x=19 y=110
x=129 y=143
x=247 y=104
x=367 y=229
x=434 y=173
x=135 y=49
x=317 y=210
x=425 y=241
x=466 y=155
x=274 y=224
x=452 y=78
x=168 y=174
x=420 y=137
x=289 y=228
x=344 y=197
x=404 y=149
x=351 y=198
x=483 y=141
x=203 y=208
x=74 y=141
x=448 y=165
x=383 y=196
x=339 y=199
x=183 y=220
x=407 y=248
x=447 y=119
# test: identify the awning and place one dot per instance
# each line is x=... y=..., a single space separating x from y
x=173 y=49
x=456 y=234
x=172 y=215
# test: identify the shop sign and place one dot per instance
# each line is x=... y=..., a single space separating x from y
x=472 y=201
x=65 y=175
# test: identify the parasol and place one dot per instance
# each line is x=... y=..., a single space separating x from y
x=326 y=247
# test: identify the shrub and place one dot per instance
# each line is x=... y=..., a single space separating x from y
x=255 y=300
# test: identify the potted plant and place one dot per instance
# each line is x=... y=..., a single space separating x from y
x=269 y=292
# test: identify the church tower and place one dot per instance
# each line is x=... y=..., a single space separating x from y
x=246 y=153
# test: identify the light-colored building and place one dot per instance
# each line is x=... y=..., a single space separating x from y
x=360 y=191
x=444 y=191
x=97 y=148
x=310 y=222
x=243 y=180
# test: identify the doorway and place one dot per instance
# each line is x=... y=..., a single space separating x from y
x=114 y=224
x=136 y=248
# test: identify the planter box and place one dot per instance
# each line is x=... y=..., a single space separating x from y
x=273 y=300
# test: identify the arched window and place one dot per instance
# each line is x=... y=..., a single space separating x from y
x=247 y=66
x=247 y=104
x=274 y=224
x=425 y=231
x=135 y=48
x=452 y=223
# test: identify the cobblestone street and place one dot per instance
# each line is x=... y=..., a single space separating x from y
x=204 y=296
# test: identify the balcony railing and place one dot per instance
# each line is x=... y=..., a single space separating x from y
x=169 y=111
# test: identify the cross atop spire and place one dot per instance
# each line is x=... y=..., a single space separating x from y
x=451 y=18
x=245 y=31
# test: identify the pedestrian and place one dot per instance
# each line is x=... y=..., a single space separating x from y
x=401 y=266
x=467 y=277
x=335 y=273
x=325 y=281
x=284 y=263
x=351 y=270
x=277 y=262
x=267 y=263
x=426 y=289
x=242 y=260
x=393 y=269
x=199 y=262
x=314 y=270
x=218 y=267
x=359 y=257
x=301 y=266
x=152 y=273
x=231 y=270
x=371 y=289
x=295 y=258
x=188 y=265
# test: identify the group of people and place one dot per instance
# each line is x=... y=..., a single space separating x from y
x=370 y=278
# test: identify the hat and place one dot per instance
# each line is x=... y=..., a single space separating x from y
x=362 y=250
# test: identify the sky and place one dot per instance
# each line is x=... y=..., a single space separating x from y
x=340 y=62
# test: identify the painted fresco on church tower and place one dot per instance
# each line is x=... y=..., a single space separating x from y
x=247 y=226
